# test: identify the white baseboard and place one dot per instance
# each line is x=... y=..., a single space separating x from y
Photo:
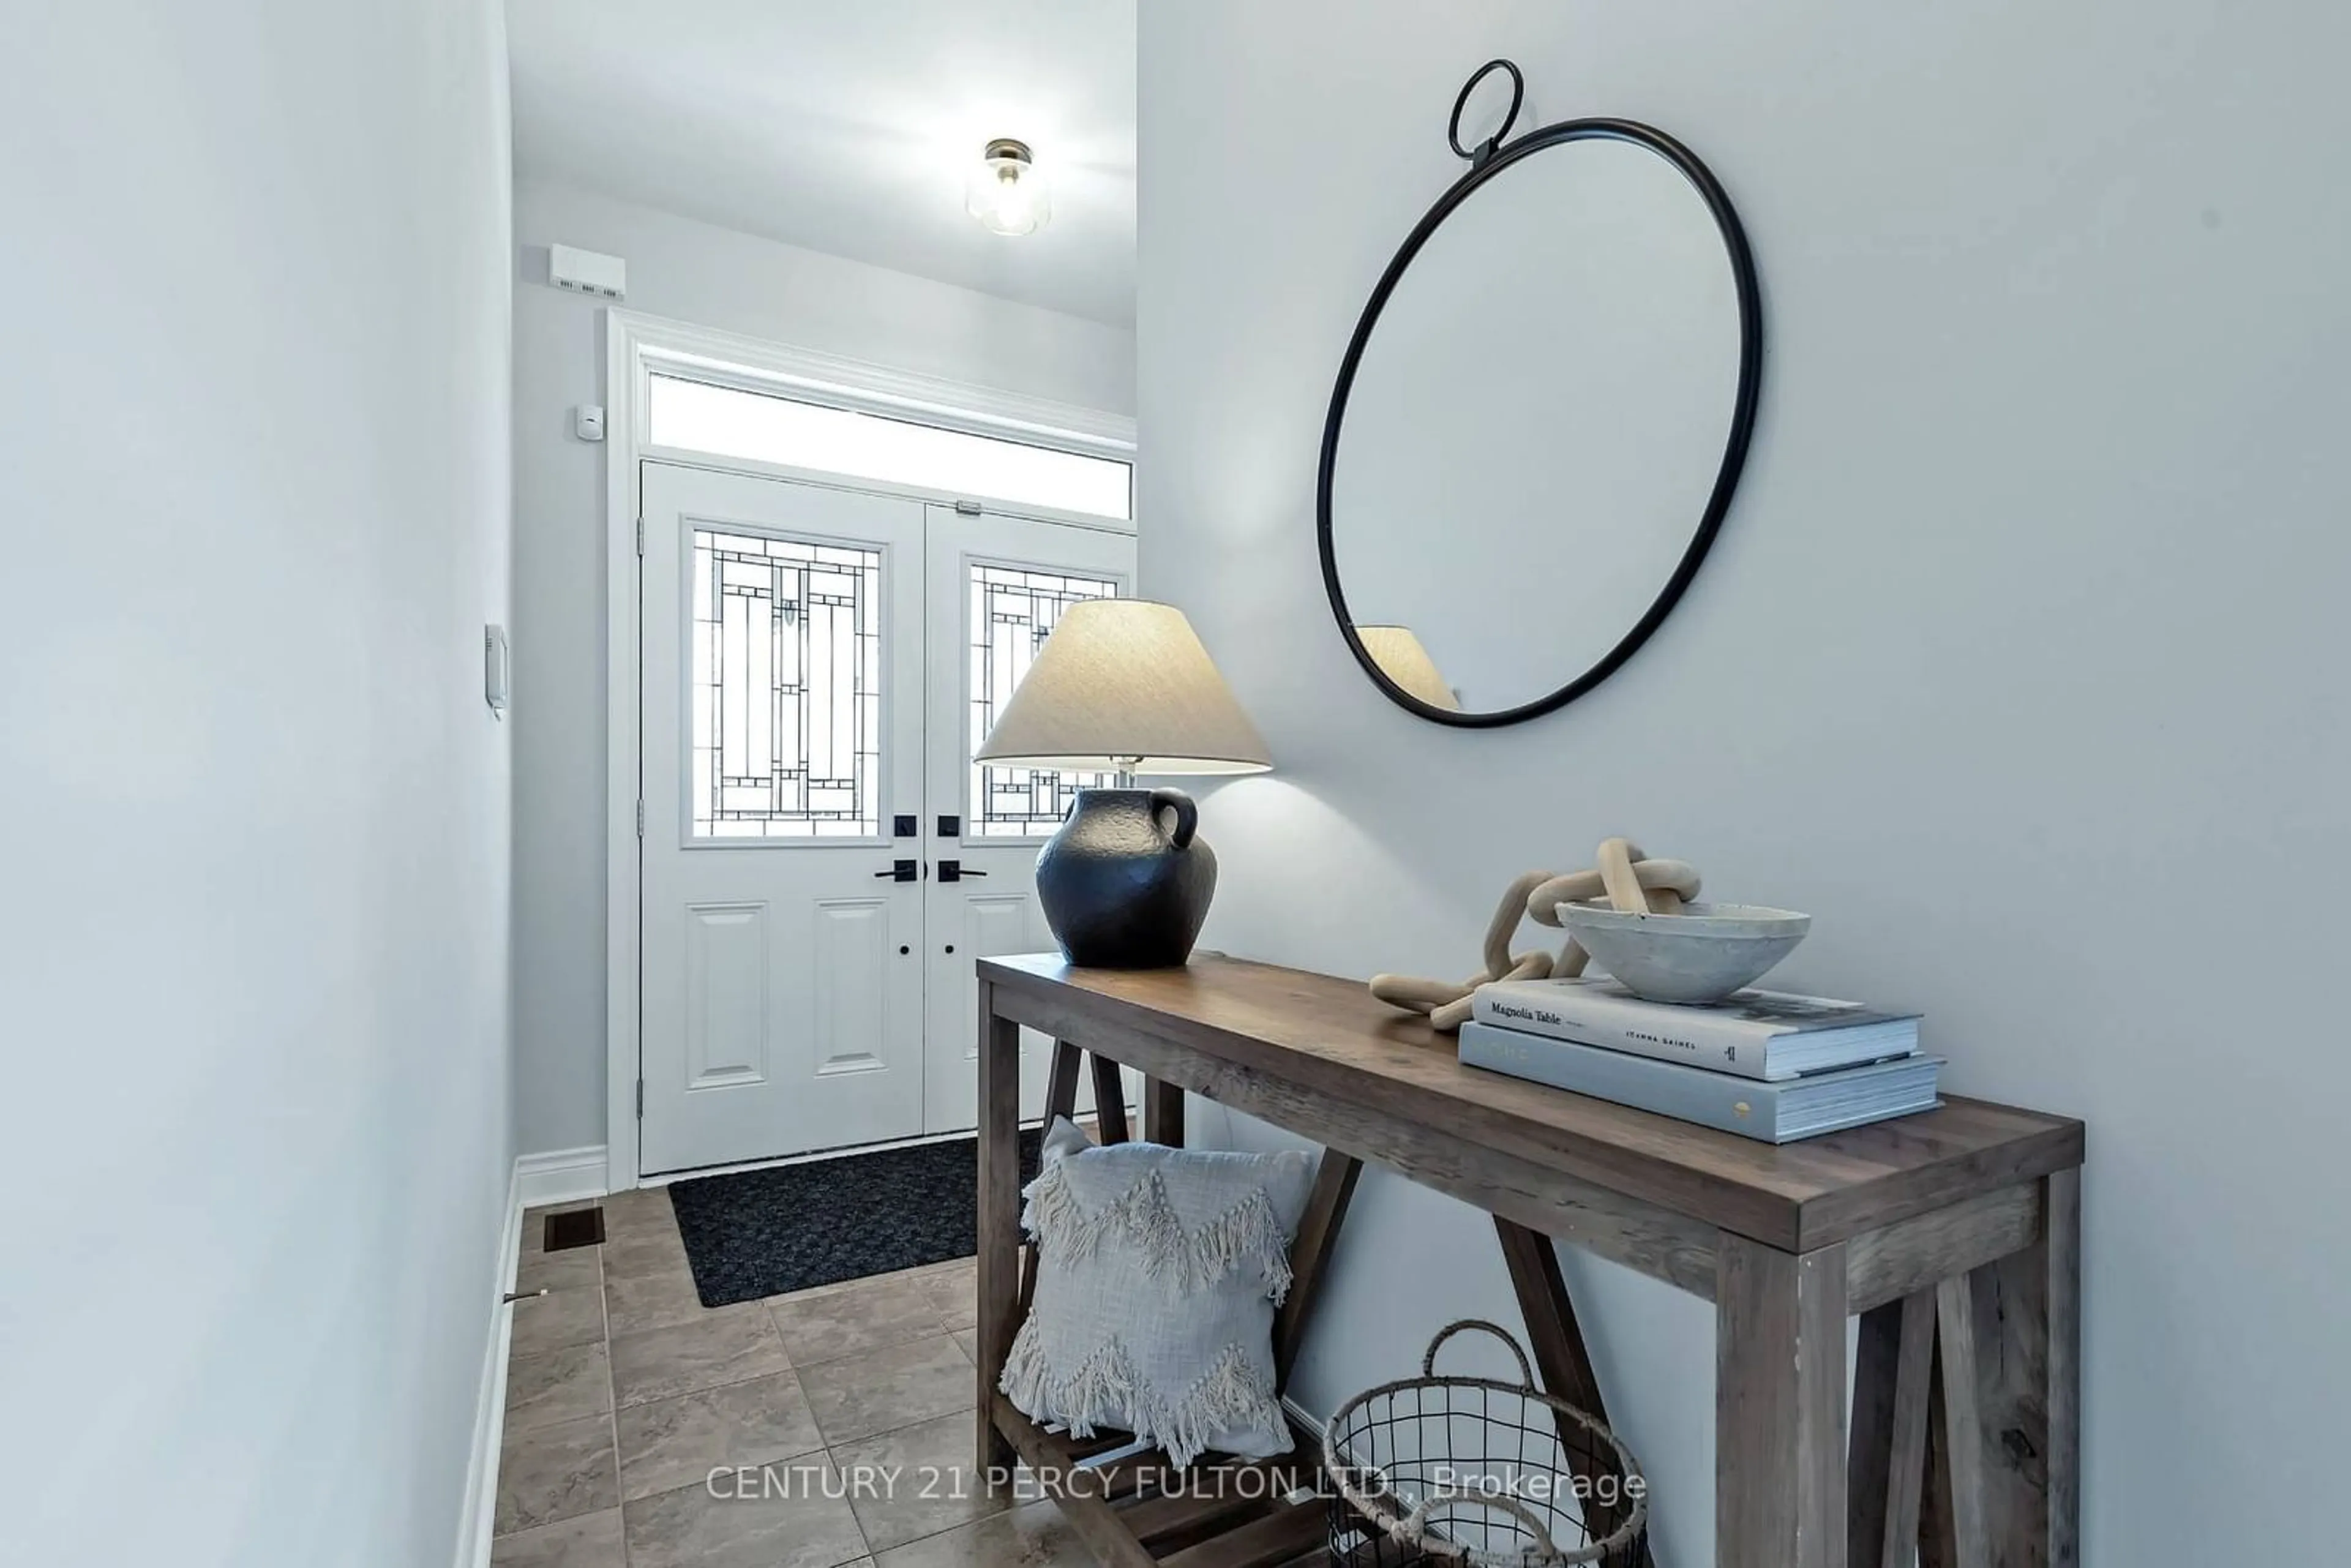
x=560 y=1175
x=480 y=1515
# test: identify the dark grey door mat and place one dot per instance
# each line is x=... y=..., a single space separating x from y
x=789 y=1227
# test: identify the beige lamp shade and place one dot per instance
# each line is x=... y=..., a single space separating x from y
x=1402 y=659
x=1126 y=683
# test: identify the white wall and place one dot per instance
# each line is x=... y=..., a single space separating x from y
x=253 y=813
x=713 y=278
x=2019 y=662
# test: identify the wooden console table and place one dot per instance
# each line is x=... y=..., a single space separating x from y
x=1955 y=1235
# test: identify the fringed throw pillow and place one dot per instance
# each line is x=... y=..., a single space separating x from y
x=1158 y=1271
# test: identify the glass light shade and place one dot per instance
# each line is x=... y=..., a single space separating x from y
x=1007 y=195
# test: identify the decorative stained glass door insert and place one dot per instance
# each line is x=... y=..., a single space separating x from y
x=786 y=682
x=1013 y=610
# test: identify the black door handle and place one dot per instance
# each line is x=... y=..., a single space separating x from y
x=902 y=871
x=955 y=871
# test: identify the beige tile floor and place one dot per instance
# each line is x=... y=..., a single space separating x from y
x=623 y=1392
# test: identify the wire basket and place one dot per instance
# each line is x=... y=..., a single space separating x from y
x=1479 y=1472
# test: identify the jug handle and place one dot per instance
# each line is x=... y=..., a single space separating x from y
x=1187 y=815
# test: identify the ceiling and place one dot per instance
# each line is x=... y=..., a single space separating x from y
x=847 y=126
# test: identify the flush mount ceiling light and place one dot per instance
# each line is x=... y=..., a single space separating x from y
x=1007 y=195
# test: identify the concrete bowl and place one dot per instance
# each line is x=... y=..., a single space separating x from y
x=1701 y=954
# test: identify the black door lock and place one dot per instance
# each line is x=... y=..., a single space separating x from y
x=950 y=827
x=955 y=871
x=904 y=825
x=902 y=871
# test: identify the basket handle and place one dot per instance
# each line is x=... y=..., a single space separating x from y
x=1442 y=1498
x=1428 y=1362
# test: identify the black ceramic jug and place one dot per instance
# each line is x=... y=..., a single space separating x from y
x=1122 y=889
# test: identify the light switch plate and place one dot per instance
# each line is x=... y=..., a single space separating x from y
x=494 y=668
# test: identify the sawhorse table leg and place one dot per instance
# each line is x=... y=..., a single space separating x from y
x=1565 y=1367
x=998 y=1284
x=1779 y=1406
x=2004 y=1438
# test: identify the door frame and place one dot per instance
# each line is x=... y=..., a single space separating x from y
x=635 y=347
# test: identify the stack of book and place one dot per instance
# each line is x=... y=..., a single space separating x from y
x=1764 y=1064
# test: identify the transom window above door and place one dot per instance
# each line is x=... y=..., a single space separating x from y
x=699 y=416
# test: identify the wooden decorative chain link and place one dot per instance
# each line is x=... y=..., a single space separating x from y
x=1626 y=878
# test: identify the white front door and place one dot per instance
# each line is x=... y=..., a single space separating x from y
x=997 y=587
x=822 y=862
x=782 y=669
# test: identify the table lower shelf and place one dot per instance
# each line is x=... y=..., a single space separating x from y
x=1137 y=1510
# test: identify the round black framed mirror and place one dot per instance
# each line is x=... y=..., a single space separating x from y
x=1541 y=419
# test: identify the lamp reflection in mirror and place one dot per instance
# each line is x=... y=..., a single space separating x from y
x=1403 y=660
x=1124 y=685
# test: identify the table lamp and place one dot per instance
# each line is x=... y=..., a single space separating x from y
x=1124 y=686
